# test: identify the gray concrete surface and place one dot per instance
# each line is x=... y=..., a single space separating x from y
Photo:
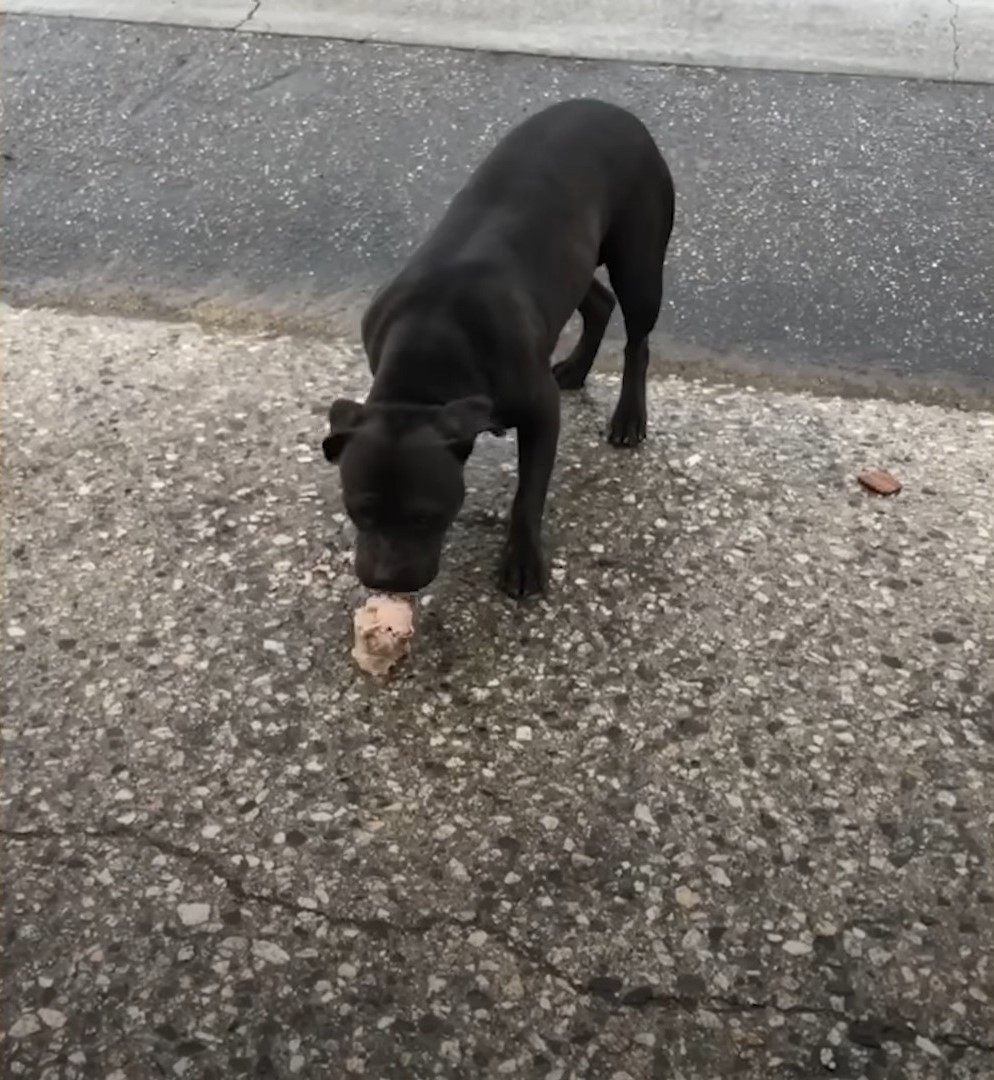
x=824 y=223
x=932 y=39
x=721 y=805
x=217 y=14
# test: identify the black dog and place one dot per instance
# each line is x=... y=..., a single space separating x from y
x=459 y=342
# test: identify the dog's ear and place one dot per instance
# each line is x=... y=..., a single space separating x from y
x=344 y=417
x=462 y=420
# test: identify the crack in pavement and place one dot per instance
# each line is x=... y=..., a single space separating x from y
x=249 y=17
x=639 y=998
x=232 y=882
x=954 y=24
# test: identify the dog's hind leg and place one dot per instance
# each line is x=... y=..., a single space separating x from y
x=634 y=260
x=595 y=309
x=630 y=419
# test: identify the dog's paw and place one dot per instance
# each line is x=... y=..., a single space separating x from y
x=522 y=569
x=627 y=428
x=569 y=375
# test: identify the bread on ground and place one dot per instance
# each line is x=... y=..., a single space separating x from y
x=384 y=627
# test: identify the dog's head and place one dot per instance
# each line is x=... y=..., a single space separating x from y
x=401 y=469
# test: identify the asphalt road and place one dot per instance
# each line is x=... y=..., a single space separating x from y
x=825 y=222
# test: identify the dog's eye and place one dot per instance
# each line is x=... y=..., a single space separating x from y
x=425 y=520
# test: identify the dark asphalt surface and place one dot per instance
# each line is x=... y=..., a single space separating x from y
x=822 y=221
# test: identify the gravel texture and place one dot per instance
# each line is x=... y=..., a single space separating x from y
x=722 y=804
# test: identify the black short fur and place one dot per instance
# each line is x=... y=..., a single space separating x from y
x=460 y=341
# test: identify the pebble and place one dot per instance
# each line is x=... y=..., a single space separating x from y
x=270 y=952
x=686 y=897
x=719 y=877
x=796 y=947
x=458 y=870
x=24 y=1026
x=927 y=1046
x=644 y=814
x=52 y=1018
x=195 y=914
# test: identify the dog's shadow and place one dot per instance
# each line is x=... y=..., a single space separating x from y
x=588 y=476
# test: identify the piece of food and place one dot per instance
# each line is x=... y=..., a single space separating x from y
x=384 y=627
x=880 y=482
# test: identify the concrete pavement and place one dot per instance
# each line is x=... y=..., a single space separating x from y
x=932 y=39
x=826 y=226
x=721 y=805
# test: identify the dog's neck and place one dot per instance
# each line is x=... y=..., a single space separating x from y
x=426 y=366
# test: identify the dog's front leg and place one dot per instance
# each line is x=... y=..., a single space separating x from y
x=523 y=567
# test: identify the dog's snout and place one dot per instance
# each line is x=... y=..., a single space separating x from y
x=387 y=581
x=388 y=565
x=386 y=577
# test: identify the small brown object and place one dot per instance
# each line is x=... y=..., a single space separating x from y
x=880 y=482
x=384 y=627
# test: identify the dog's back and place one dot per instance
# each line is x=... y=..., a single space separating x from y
x=559 y=179
x=544 y=209
x=584 y=148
